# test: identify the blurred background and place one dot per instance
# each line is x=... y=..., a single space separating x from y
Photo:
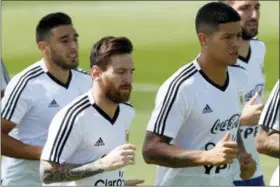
x=164 y=39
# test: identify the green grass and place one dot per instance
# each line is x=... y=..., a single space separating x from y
x=163 y=36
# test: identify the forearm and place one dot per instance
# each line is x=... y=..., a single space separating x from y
x=271 y=146
x=12 y=147
x=175 y=157
x=51 y=172
x=240 y=143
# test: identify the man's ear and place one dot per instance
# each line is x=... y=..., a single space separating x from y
x=96 y=72
x=42 y=45
x=203 y=39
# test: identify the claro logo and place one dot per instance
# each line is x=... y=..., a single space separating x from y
x=106 y=182
x=110 y=182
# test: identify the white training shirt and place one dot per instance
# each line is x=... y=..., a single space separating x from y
x=253 y=63
x=270 y=114
x=31 y=100
x=82 y=132
x=196 y=113
x=270 y=119
x=4 y=76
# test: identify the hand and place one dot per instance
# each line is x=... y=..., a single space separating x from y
x=248 y=166
x=251 y=112
x=224 y=152
x=133 y=182
x=119 y=157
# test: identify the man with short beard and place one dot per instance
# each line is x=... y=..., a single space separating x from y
x=35 y=95
x=87 y=142
x=251 y=57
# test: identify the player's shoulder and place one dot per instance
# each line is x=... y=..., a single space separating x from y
x=27 y=75
x=183 y=77
x=77 y=105
x=236 y=70
x=238 y=74
x=81 y=75
x=258 y=44
x=30 y=71
x=127 y=107
x=81 y=72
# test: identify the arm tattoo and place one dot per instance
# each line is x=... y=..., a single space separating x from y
x=52 y=172
x=158 y=150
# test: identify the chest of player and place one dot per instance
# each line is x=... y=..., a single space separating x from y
x=50 y=98
x=215 y=112
x=101 y=135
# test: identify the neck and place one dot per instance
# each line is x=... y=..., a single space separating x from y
x=244 y=48
x=101 y=101
x=213 y=69
x=60 y=74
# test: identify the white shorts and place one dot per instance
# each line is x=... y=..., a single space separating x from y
x=274 y=181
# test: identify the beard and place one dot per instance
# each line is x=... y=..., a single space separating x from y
x=247 y=35
x=62 y=63
x=115 y=94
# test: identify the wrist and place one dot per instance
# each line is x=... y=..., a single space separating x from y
x=103 y=164
x=243 y=121
x=35 y=150
x=206 y=158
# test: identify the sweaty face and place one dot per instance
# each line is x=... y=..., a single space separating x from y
x=249 y=12
x=63 y=47
x=118 y=77
x=225 y=43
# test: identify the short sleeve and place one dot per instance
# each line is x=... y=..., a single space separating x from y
x=270 y=114
x=170 y=111
x=16 y=101
x=64 y=137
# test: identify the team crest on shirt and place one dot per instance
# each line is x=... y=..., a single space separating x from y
x=241 y=98
x=127 y=135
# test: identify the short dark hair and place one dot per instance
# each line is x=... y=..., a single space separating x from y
x=228 y=2
x=49 y=22
x=212 y=14
x=107 y=47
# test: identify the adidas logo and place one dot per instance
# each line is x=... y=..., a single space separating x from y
x=53 y=104
x=99 y=142
x=207 y=109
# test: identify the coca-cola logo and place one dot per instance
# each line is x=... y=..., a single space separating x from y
x=226 y=125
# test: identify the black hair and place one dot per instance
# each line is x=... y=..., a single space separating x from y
x=50 y=21
x=212 y=14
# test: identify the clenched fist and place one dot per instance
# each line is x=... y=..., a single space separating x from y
x=251 y=113
x=119 y=157
x=224 y=152
x=248 y=166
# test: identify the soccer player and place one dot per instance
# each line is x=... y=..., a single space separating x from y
x=268 y=139
x=251 y=57
x=35 y=95
x=87 y=138
x=4 y=78
x=192 y=133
